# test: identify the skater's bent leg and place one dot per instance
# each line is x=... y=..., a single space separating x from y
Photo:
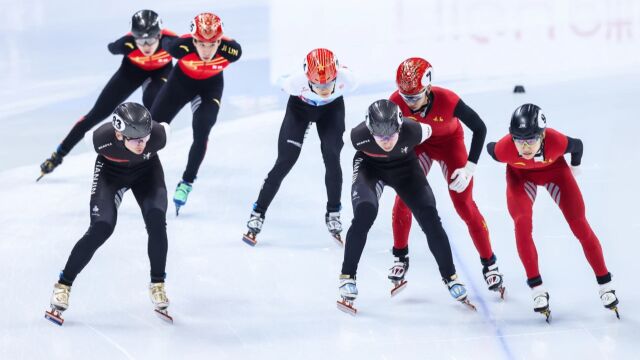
x=417 y=194
x=572 y=206
x=203 y=120
x=118 y=89
x=469 y=213
x=151 y=90
x=520 y=198
x=364 y=201
x=151 y=195
x=84 y=249
x=330 y=129
x=401 y=224
x=290 y=141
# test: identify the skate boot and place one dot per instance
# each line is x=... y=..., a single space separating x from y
x=160 y=301
x=458 y=291
x=332 y=219
x=348 y=293
x=181 y=195
x=493 y=277
x=541 y=302
x=397 y=273
x=609 y=298
x=59 y=303
x=51 y=163
x=254 y=225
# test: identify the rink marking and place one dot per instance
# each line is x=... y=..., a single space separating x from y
x=110 y=341
x=486 y=314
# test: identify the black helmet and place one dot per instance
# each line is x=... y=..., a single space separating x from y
x=383 y=118
x=132 y=120
x=145 y=24
x=527 y=122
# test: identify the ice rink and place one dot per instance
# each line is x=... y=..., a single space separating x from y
x=278 y=300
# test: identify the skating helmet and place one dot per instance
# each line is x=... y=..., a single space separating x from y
x=383 y=118
x=207 y=27
x=413 y=76
x=321 y=66
x=146 y=24
x=527 y=122
x=132 y=120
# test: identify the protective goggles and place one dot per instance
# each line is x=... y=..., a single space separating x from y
x=326 y=86
x=530 y=141
x=411 y=99
x=141 y=140
x=147 y=41
x=385 y=138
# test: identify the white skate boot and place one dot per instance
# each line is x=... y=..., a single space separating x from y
x=397 y=273
x=160 y=301
x=541 y=302
x=609 y=298
x=254 y=225
x=458 y=291
x=493 y=277
x=334 y=225
x=348 y=293
x=59 y=303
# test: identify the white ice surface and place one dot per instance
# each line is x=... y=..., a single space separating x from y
x=277 y=300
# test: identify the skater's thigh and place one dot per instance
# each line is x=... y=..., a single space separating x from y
x=171 y=98
x=366 y=188
x=106 y=195
x=151 y=191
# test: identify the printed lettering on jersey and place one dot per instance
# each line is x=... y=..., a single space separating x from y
x=156 y=61
x=104 y=146
x=198 y=69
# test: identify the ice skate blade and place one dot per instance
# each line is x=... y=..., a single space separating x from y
x=338 y=239
x=347 y=307
x=249 y=239
x=468 y=303
x=164 y=315
x=177 y=210
x=54 y=316
x=398 y=287
x=41 y=176
x=546 y=313
x=615 y=310
x=501 y=290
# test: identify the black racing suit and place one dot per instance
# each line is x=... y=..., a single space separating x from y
x=329 y=120
x=199 y=82
x=373 y=168
x=150 y=72
x=117 y=170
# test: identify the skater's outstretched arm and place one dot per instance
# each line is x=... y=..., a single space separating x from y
x=122 y=46
x=575 y=147
x=471 y=119
x=230 y=49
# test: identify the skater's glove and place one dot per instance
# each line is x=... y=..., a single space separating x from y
x=462 y=177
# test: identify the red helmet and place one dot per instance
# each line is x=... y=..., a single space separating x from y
x=321 y=66
x=206 y=27
x=413 y=75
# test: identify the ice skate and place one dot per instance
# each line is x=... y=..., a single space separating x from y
x=254 y=225
x=397 y=273
x=493 y=277
x=348 y=293
x=50 y=164
x=59 y=303
x=160 y=301
x=541 y=303
x=458 y=291
x=181 y=195
x=332 y=219
x=609 y=298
